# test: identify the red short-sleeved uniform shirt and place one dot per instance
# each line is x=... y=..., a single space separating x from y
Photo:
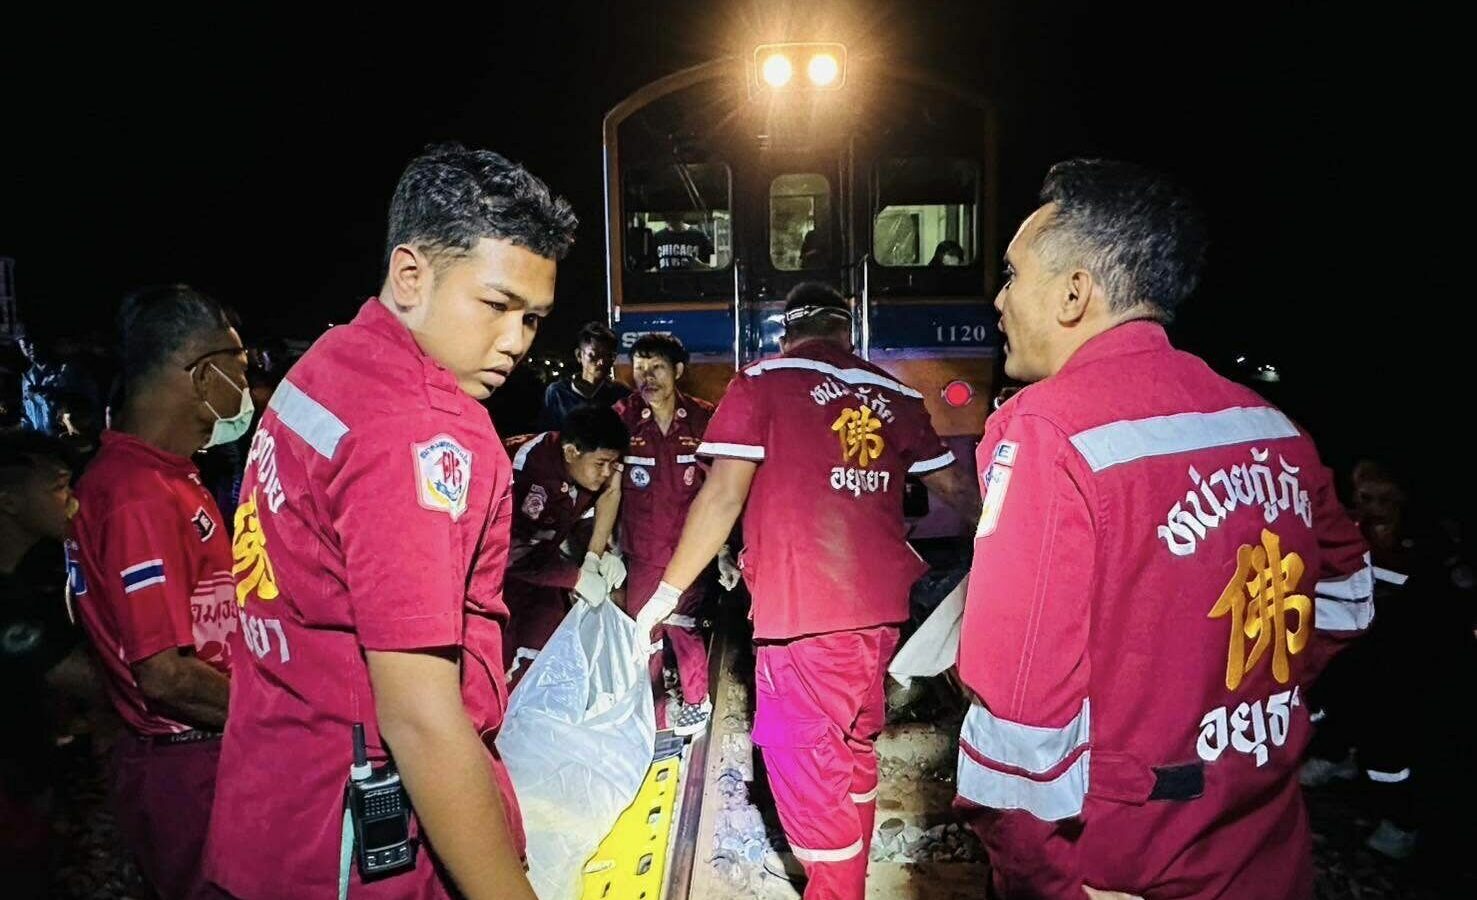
x=663 y=475
x=157 y=568
x=374 y=515
x=834 y=437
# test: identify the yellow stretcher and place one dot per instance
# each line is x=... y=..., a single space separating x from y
x=631 y=863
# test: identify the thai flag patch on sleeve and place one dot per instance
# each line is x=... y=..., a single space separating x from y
x=145 y=574
x=76 y=580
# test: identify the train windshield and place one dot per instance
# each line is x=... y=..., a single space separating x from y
x=678 y=217
x=800 y=222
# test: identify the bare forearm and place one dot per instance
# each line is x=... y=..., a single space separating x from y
x=447 y=771
x=191 y=691
x=605 y=517
x=449 y=778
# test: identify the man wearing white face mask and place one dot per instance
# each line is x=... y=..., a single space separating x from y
x=160 y=604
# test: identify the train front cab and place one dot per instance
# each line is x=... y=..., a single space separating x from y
x=721 y=199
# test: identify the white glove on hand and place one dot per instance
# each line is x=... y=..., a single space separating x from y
x=592 y=587
x=656 y=609
x=612 y=570
x=729 y=573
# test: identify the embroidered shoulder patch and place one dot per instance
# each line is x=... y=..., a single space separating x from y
x=443 y=470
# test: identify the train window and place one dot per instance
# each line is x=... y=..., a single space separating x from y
x=677 y=218
x=927 y=209
x=800 y=222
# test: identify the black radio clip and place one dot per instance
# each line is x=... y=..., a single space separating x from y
x=380 y=811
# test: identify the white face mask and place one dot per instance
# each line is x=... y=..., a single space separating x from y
x=230 y=429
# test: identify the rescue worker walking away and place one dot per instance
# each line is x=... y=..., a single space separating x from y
x=371 y=542
x=1160 y=571
x=818 y=442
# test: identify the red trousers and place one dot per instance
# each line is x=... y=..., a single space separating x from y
x=820 y=706
x=161 y=797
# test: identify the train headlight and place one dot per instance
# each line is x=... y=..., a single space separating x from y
x=823 y=69
x=777 y=70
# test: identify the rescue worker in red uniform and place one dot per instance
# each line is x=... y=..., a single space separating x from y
x=1161 y=569
x=566 y=494
x=370 y=548
x=663 y=475
x=818 y=442
x=156 y=565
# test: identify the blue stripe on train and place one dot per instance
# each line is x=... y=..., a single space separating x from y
x=932 y=328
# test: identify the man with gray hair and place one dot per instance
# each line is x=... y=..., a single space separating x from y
x=155 y=596
x=1161 y=569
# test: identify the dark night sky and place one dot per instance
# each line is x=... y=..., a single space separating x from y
x=255 y=159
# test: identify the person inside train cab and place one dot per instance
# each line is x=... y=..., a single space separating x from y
x=681 y=246
x=947 y=253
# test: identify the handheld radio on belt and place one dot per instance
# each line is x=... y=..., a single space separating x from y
x=380 y=812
